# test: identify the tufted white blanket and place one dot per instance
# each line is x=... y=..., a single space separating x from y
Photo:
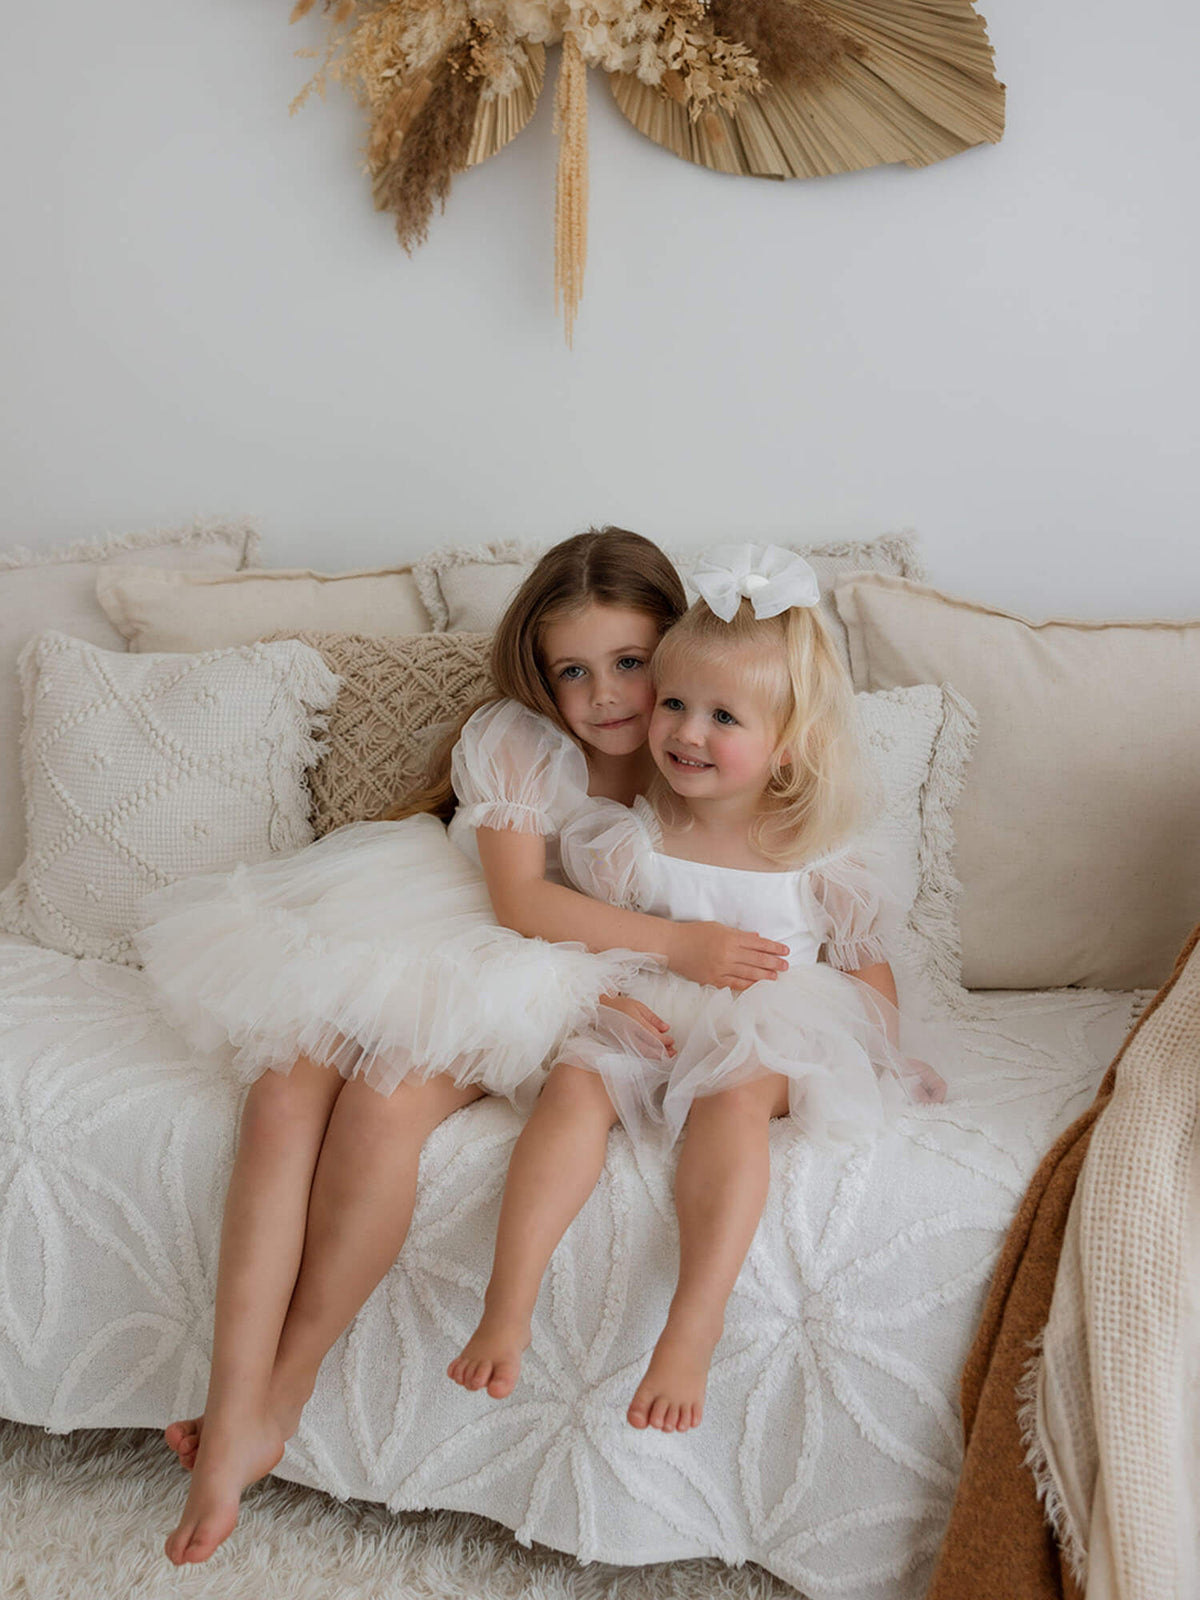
x=831 y=1440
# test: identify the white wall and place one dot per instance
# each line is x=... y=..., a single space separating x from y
x=203 y=314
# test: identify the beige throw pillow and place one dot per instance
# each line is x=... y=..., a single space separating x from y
x=57 y=589
x=143 y=769
x=467 y=588
x=1078 y=849
x=208 y=611
x=393 y=691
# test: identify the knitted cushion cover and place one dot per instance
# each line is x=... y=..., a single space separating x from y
x=57 y=589
x=140 y=770
x=393 y=693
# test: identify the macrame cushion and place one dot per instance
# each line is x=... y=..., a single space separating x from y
x=140 y=770
x=466 y=588
x=57 y=589
x=394 y=695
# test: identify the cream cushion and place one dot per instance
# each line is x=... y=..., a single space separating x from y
x=1077 y=844
x=143 y=769
x=466 y=588
x=157 y=610
x=393 y=694
x=57 y=589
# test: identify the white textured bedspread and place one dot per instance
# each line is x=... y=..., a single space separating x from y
x=830 y=1444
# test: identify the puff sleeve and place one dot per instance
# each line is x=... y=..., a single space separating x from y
x=606 y=853
x=512 y=768
x=854 y=909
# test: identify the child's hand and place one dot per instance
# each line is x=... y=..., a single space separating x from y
x=928 y=1086
x=642 y=1014
x=726 y=958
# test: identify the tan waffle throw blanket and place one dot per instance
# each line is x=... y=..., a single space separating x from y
x=1115 y=1353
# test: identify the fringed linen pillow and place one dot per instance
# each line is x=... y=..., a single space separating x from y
x=466 y=588
x=1077 y=847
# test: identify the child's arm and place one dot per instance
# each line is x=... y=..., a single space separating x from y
x=514 y=865
x=879 y=977
x=927 y=1086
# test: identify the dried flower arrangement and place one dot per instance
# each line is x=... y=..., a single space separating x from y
x=772 y=88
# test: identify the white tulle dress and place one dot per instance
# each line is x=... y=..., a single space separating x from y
x=825 y=1031
x=376 y=951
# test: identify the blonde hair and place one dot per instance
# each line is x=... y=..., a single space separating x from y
x=816 y=794
x=604 y=566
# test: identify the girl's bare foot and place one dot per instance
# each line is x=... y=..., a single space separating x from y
x=184 y=1439
x=227 y=1461
x=671 y=1395
x=491 y=1357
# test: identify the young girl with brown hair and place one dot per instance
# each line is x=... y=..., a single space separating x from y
x=377 y=981
x=753 y=822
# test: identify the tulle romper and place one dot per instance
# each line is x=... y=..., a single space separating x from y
x=376 y=950
x=824 y=1030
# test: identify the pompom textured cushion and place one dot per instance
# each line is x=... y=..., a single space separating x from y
x=465 y=589
x=1077 y=844
x=919 y=742
x=393 y=691
x=57 y=589
x=140 y=770
x=206 y=611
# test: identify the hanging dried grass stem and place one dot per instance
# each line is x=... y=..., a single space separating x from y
x=423 y=145
x=570 y=208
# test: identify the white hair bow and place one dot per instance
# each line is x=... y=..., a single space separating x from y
x=771 y=578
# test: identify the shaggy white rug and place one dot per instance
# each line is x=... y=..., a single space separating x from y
x=83 y=1517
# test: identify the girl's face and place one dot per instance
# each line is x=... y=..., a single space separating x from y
x=711 y=738
x=597 y=662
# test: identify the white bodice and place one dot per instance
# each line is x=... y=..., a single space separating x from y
x=837 y=903
x=766 y=903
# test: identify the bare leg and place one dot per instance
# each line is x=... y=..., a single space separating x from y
x=262 y=1235
x=554 y=1167
x=720 y=1191
x=362 y=1203
x=354 y=1214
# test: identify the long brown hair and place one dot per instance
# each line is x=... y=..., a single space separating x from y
x=604 y=566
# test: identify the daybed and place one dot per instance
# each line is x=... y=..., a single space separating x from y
x=831 y=1445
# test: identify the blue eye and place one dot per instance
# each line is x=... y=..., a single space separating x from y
x=725 y=718
x=630 y=663
x=570 y=673
x=670 y=703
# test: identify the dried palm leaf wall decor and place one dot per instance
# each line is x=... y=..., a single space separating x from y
x=765 y=88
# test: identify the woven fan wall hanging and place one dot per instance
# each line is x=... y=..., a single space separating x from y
x=768 y=88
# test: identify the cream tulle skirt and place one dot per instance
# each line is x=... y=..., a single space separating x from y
x=826 y=1032
x=374 y=951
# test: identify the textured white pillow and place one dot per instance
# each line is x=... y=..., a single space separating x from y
x=141 y=769
x=919 y=741
x=466 y=588
x=57 y=589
